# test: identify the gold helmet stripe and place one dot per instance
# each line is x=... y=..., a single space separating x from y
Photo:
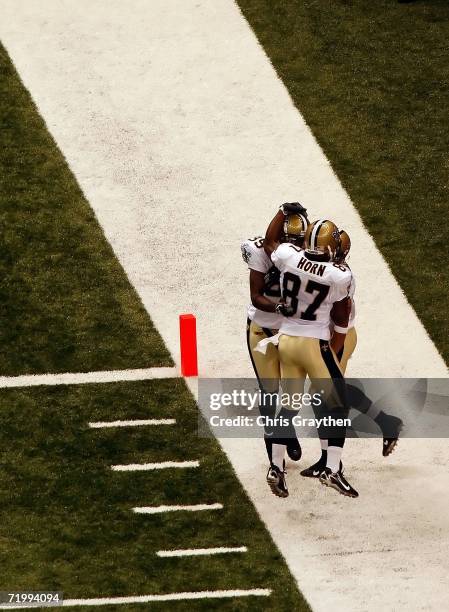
x=315 y=233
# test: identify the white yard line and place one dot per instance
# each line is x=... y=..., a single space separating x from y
x=111 y=601
x=83 y=378
x=132 y=423
x=184 y=141
x=142 y=467
x=162 y=509
x=195 y=552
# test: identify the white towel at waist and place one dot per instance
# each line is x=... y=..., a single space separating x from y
x=262 y=345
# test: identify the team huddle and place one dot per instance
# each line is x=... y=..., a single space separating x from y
x=301 y=324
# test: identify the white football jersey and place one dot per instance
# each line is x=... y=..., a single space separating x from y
x=310 y=287
x=255 y=257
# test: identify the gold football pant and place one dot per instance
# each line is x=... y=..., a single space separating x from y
x=348 y=348
x=266 y=367
x=300 y=357
x=268 y=372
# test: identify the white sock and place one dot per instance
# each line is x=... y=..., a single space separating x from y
x=323 y=444
x=334 y=457
x=278 y=454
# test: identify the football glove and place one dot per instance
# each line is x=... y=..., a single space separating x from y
x=290 y=208
x=284 y=309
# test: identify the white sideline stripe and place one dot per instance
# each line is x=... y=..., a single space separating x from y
x=161 y=509
x=106 y=601
x=141 y=467
x=82 y=378
x=133 y=423
x=194 y=552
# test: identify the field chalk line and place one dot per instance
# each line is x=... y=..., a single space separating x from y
x=107 y=601
x=82 y=378
x=162 y=509
x=142 y=467
x=131 y=423
x=195 y=552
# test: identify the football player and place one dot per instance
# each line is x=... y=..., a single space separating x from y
x=315 y=290
x=390 y=425
x=264 y=320
x=351 y=337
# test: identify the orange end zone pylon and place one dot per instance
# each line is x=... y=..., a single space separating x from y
x=187 y=337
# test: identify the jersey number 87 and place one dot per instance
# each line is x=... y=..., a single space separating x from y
x=291 y=287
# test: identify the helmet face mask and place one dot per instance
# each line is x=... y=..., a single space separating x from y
x=322 y=239
x=295 y=226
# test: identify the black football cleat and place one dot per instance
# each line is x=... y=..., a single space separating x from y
x=391 y=429
x=276 y=481
x=314 y=470
x=337 y=481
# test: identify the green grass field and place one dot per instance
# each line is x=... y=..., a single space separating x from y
x=372 y=81
x=66 y=520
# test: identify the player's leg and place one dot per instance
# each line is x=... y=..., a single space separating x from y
x=389 y=424
x=292 y=380
x=266 y=366
x=343 y=357
x=320 y=372
x=267 y=369
x=322 y=366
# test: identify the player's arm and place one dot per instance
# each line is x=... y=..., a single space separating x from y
x=340 y=316
x=276 y=227
x=260 y=301
x=256 y=286
x=274 y=233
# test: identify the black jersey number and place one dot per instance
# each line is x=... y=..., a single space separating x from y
x=258 y=242
x=290 y=292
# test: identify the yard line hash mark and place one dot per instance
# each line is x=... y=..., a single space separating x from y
x=161 y=509
x=82 y=378
x=108 y=601
x=132 y=423
x=194 y=552
x=141 y=467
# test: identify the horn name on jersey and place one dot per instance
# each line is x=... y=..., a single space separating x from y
x=308 y=266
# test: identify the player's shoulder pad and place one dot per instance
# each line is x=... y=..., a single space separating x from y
x=253 y=254
x=339 y=275
x=250 y=247
x=340 y=270
x=282 y=252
